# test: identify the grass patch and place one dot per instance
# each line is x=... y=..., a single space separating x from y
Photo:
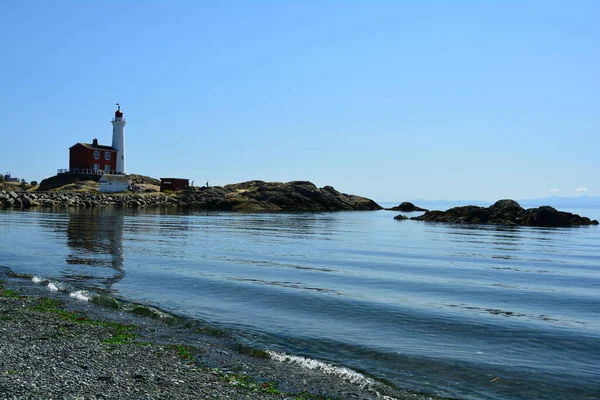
x=122 y=332
x=8 y=293
x=52 y=306
x=121 y=338
x=183 y=352
x=245 y=382
x=47 y=305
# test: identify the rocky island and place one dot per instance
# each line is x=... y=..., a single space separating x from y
x=406 y=206
x=248 y=196
x=507 y=212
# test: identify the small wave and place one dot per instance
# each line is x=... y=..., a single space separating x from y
x=82 y=295
x=341 y=372
x=55 y=286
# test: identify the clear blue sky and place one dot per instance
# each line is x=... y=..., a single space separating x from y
x=392 y=100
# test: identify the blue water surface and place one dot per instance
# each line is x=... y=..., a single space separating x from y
x=464 y=311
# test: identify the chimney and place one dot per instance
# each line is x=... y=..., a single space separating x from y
x=95 y=143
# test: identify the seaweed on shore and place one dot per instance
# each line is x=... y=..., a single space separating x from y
x=256 y=378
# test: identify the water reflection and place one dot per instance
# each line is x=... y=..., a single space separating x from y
x=288 y=224
x=95 y=243
x=96 y=239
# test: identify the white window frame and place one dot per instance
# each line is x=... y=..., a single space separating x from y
x=96 y=154
x=107 y=155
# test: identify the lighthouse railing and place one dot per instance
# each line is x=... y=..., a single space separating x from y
x=87 y=171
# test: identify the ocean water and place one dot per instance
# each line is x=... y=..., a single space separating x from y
x=473 y=312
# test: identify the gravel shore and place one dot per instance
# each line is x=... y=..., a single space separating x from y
x=56 y=347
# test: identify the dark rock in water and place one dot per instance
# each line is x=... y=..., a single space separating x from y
x=548 y=216
x=406 y=206
x=507 y=212
x=400 y=217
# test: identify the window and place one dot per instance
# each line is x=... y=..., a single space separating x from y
x=96 y=167
x=96 y=154
x=107 y=155
x=107 y=167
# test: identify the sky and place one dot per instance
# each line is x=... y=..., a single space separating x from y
x=392 y=100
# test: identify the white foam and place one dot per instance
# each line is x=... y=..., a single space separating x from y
x=52 y=287
x=82 y=295
x=341 y=372
x=37 y=280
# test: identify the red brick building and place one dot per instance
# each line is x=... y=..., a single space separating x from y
x=92 y=158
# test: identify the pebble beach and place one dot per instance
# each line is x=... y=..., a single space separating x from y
x=55 y=347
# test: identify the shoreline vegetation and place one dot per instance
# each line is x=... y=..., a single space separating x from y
x=55 y=346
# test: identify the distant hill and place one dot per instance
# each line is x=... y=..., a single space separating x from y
x=555 y=201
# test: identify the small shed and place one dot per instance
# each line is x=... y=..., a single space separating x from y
x=173 y=184
x=113 y=183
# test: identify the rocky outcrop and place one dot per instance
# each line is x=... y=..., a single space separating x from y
x=246 y=196
x=88 y=182
x=507 y=212
x=57 y=181
x=400 y=217
x=406 y=206
x=277 y=196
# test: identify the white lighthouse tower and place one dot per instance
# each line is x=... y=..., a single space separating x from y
x=118 y=139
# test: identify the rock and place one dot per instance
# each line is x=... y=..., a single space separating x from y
x=406 y=206
x=550 y=217
x=507 y=212
x=400 y=217
x=248 y=196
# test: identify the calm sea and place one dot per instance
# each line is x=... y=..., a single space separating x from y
x=474 y=312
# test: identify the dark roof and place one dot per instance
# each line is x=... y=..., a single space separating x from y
x=92 y=147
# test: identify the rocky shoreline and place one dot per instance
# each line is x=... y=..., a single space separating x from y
x=246 y=196
x=53 y=346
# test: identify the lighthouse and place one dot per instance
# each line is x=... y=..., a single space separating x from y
x=118 y=139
